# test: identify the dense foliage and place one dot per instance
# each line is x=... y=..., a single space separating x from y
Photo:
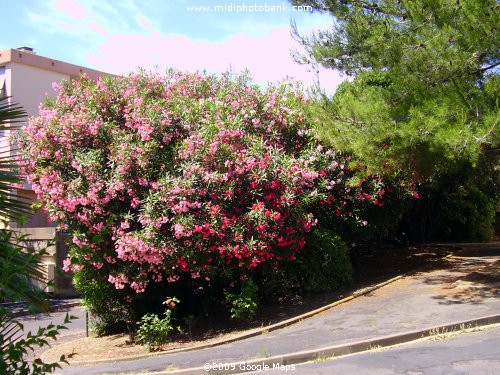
x=186 y=178
x=423 y=101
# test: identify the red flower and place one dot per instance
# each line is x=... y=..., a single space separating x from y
x=182 y=264
x=206 y=231
x=270 y=197
x=275 y=184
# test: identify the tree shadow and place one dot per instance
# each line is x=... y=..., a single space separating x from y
x=470 y=276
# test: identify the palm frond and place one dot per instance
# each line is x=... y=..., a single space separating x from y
x=12 y=206
x=10 y=113
x=17 y=262
x=11 y=329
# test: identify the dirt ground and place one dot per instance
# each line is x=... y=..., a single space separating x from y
x=117 y=346
x=370 y=268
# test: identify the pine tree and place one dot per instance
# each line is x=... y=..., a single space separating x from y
x=424 y=96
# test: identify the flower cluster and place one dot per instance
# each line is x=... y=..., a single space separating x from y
x=159 y=177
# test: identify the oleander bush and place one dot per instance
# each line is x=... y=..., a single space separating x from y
x=183 y=184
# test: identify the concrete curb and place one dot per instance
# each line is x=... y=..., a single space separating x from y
x=52 y=308
x=65 y=306
x=331 y=352
x=247 y=334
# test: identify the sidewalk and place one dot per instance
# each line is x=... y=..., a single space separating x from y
x=464 y=289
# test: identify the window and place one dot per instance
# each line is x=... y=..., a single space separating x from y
x=3 y=92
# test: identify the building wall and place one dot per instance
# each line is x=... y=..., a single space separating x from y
x=4 y=91
x=39 y=218
x=29 y=85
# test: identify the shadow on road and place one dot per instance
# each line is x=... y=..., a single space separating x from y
x=469 y=276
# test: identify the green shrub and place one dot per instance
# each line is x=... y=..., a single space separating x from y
x=109 y=313
x=160 y=198
x=389 y=201
x=153 y=331
x=244 y=305
x=323 y=265
x=458 y=207
x=465 y=215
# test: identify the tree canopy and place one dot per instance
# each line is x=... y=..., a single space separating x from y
x=424 y=97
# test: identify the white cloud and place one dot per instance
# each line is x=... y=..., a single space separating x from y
x=267 y=58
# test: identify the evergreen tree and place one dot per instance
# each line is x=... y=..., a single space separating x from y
x=424 y=98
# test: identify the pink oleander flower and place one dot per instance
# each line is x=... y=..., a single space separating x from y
x=161 y=177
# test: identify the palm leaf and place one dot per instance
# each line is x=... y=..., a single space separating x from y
x=11 y=330
x=10 y=113
x=16 y=261
x=12 y=207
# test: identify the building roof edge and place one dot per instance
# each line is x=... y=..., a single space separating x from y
x=32 y=59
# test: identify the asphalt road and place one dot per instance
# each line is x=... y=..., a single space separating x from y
x=76 y=327
x=475 y=353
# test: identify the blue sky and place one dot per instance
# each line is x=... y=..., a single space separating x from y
x=119 y=36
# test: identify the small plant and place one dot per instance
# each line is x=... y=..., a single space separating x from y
x=264 y=352
x=244 y=305
x=323 y=358
x=14 y=348
x=153 y=331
